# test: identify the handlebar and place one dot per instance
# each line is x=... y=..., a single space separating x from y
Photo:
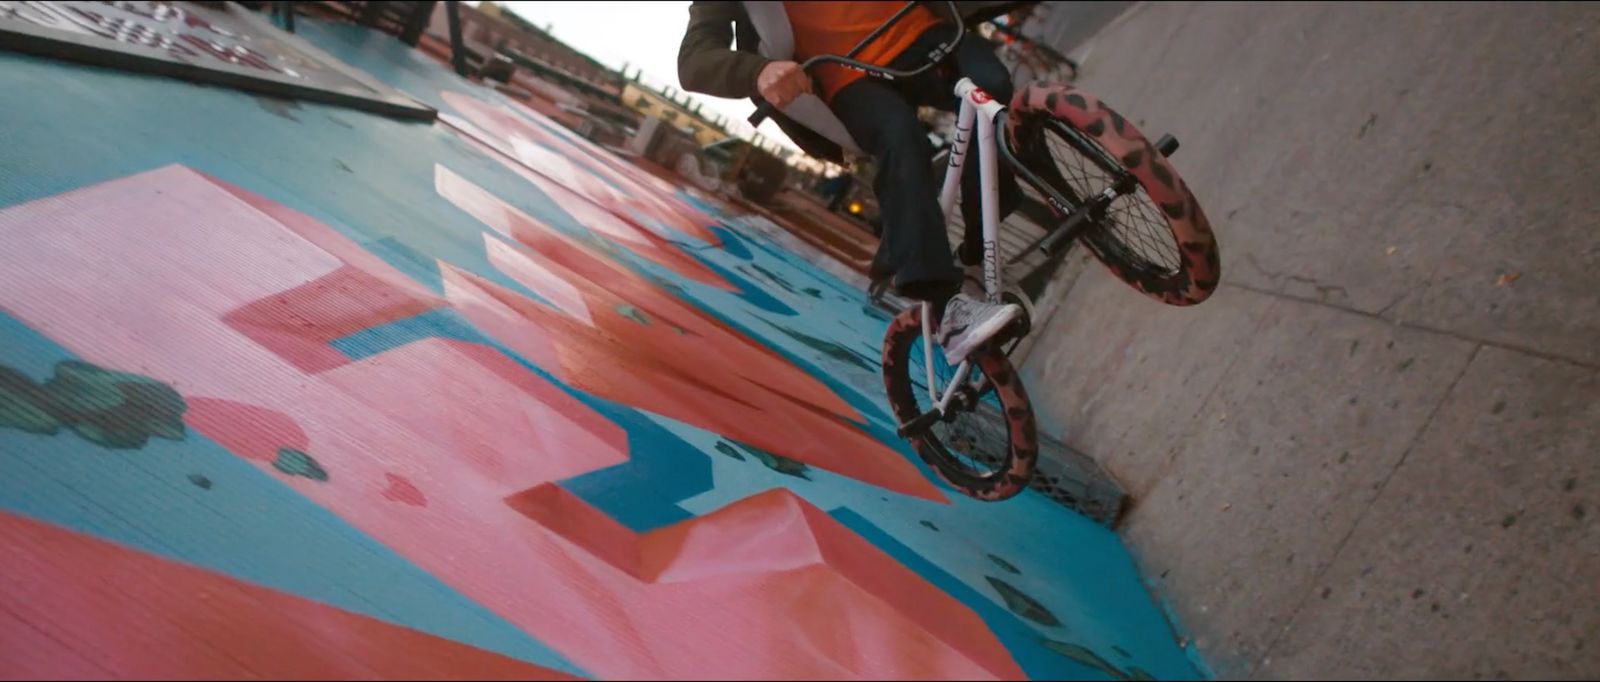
x=766 y=109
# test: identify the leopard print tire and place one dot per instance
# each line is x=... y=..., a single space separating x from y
x=1006 y=474
x=1158 y=240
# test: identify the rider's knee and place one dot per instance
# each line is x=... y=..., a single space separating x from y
x=908 y=138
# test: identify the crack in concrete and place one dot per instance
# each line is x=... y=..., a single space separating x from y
x=1266 y=654
x=1534 y=352
x=1323 y=290
x=1392 y=304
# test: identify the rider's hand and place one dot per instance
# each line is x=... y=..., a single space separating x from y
x=781 y=82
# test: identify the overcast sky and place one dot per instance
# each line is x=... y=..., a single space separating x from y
x=643 y=35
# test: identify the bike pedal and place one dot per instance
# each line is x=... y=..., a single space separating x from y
x=1167 y=145
x=1015 y=331
x=1008 y=335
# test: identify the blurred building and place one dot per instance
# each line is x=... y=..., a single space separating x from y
x=572 y=88
x=549 y=76
x=662 y=105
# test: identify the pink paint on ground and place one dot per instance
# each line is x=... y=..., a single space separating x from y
x=496 y=314
x=298 y=324
x=197 y=287
x=844 y=603
x=492 y=414
x=665 y=191
x=72 y=606
x=646 y=348
x=610 y=223
x=174 y=255
x=605 y=285
x=246 y=430
x=537 y=278
x=402 y=490
x=562 y=170
x=676 y=385
x=641 y=191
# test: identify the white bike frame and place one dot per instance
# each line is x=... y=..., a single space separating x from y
x=977 y=107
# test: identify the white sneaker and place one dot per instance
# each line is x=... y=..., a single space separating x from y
x=969 y=322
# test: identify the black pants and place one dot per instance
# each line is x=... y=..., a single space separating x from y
x=882 y=117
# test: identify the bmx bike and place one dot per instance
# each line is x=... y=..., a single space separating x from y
x=1109 y=188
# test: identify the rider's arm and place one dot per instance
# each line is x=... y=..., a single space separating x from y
x=707 y=62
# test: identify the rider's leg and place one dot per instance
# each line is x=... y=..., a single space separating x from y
x=914 y=246
x=975 y=59
x=884 y=122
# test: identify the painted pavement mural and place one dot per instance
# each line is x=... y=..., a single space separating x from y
x=291 y=390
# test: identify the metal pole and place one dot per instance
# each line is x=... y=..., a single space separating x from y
x=417 y=23
x=458 y=52
x=370 y=12
x=286 y=10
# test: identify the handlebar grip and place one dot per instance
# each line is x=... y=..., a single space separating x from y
x=763 y=111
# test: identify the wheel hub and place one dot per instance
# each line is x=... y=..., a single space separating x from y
x=965 y=399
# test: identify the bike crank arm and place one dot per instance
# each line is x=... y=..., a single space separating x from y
x=920 y=425
x=1084 y=216
x=945 y=407
x=1069 y=230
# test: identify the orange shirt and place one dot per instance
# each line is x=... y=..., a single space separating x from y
x=835 y=27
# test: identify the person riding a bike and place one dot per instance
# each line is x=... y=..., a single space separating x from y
x=844 y=109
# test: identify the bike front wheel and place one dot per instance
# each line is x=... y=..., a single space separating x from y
x=989 y=445
x=1155 y=236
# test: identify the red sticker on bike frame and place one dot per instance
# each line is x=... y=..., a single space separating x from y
x=980 y=97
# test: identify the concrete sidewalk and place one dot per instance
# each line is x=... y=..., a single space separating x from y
x=1373 y=452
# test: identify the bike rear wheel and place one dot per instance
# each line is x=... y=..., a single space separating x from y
x=988 y=448
x=1154 y=237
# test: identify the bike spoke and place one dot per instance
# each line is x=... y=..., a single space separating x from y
x=1131 y=219
x=1134 y=216
x=971 y=434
